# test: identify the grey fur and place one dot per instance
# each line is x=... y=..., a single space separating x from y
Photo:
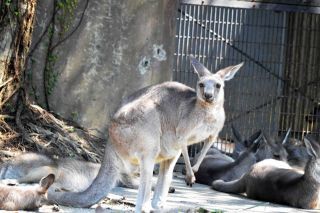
x=154 y=126
x=20 y=197
x=275 y=181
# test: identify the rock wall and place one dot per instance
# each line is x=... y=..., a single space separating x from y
x=119 y=47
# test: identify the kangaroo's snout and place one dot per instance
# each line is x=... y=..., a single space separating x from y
x=208 y=96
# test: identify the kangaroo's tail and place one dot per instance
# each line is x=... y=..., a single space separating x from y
x=106 y=179
x=235 y=186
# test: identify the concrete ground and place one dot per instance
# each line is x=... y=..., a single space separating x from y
x=186 y=199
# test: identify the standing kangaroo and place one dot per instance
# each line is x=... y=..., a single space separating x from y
x=22 y=197
x=155 y=126
x=275 y=181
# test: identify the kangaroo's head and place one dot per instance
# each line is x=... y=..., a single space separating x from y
x=40 y=197
x=241 y=144
x=272 y=149
x=210 y=87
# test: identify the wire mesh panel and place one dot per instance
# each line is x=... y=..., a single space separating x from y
x=278 y=86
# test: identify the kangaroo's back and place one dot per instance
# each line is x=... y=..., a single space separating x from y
x=19 y=166
x=75 y=175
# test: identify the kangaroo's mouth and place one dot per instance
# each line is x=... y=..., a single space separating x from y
x=209 y=100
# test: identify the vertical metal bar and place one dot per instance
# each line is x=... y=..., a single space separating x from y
x=218 y=38
x=210 y=39
x=214 y=41
x=222 y=36
x=267 y=40
x=227 y=35
x=175 y=71
x=193 y=42
x=179 y=46
x=206 y=35
x=200 y=23
x=183 y=57
x=187 y=50
x=281 y=67
x=246 y=27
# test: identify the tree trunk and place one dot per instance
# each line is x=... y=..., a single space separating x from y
x=16 y=26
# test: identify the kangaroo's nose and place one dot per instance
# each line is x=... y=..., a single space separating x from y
x=208 y=95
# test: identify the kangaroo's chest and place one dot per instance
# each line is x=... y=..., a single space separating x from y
x=210 y=125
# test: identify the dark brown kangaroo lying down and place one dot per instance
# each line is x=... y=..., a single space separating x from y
x=24 y=197
x=215 y=166
x=275 y=181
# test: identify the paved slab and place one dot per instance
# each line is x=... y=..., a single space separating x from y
x=186 y=199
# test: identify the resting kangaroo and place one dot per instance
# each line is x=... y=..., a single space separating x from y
x=71 y=175
x=216 y=167
x=155 y=126
x=27 y=197
x=275 y=181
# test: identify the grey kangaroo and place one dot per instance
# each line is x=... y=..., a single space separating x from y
x=275 y=181
x=70 y=174
x=24 y=197
x=216 y=167
x=155 y=126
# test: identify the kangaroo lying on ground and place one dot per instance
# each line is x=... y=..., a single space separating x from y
x=71 y=175
x=275 y=181
x=155 y=126
x=27 y=197
x=216 y=167
x=268 y=147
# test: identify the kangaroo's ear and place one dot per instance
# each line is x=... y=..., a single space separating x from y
x=236 y=134
x=309 y=147
x=228 y=73
x=285 y=139
x=256 y=137
x=46 y=182
x=199 y=68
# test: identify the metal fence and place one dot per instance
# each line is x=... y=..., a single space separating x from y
x=279 y=85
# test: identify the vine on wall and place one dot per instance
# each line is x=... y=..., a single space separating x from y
x=25 y=125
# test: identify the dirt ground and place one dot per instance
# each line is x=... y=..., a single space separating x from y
x=199 y=198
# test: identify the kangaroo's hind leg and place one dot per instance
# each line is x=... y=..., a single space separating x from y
x=164 y=181
x=144 y=192
x=235 y=186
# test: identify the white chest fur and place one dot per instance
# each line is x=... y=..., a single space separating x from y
x=210 y=124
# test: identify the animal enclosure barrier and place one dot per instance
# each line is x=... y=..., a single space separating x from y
x=279 y=85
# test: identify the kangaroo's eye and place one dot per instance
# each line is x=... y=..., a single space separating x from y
x=201 y=85
x=276 y=156
x=218 y=86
